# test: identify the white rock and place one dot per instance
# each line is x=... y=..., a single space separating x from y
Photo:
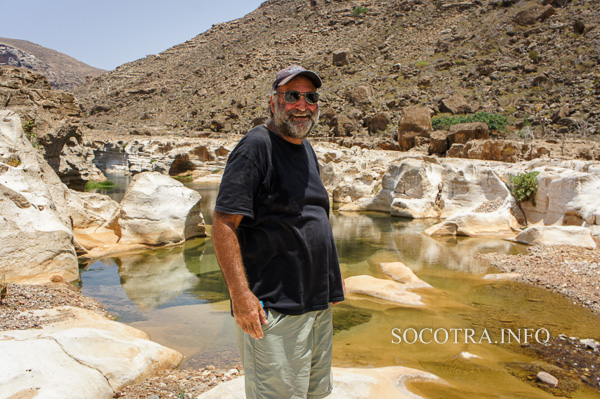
x=404 y=274
x=548 y=379
x=37 y=241
x=502 y=276
x=90 y=209
x=157 y=210
x=79 y=354
x=387 y=290
x=467 y=355
x=557 y=235
x=469 y=223
x=40 y=368
x=564 y=197
x=348 y=383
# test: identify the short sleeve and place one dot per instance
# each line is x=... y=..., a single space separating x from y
x=245 y=171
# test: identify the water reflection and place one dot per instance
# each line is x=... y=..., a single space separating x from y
x=154 y=279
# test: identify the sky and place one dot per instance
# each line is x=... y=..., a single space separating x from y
x=108 y=33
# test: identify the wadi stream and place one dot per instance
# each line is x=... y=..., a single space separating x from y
x=471 y=332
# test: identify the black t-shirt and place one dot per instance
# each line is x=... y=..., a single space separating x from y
x=285 y=236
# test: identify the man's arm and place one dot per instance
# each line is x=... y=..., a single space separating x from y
x=247 y=310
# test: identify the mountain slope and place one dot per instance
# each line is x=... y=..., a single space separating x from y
x=504 y=56
x=63 y=72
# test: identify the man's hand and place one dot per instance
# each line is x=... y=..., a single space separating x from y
x=249 y=314
x=247 y=310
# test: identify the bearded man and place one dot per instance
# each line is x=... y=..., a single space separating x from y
x=275 y=246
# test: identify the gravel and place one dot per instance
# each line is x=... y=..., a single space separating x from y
x=570 y=270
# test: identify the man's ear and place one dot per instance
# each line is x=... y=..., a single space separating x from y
x=271 y=102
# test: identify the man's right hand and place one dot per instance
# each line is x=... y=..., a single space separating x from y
x=249 y=314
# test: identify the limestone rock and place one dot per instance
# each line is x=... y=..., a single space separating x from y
x=564 y=197
x=157 y=210
x=404 y=274
x=386 y=290
x=416 y=121
x=90 y=210
x=36 y=241
x=348 y=383
x=557 y=235
x=501 y=221
x=80 y=354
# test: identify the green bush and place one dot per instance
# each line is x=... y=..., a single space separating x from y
x=494 y=121
x=30 y=134
x=359 y=10
x=102 y=185
x=524 y=186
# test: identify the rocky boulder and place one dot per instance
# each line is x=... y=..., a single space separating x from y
x=77 y=354
x=381 y=289
x=463 y=132
x=341 y=57
x=416 y=122
x=37 y=240
x=455 y=104
x=377 y=122
x=533 y=13
x=564 y=196
x=157 y=210
x=557 y=235
x=495 y=218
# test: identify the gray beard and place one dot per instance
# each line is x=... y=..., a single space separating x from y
x=287 y=127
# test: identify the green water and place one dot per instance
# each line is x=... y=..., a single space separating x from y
x=178 y=296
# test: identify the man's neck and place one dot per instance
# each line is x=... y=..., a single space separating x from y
x=271 y=126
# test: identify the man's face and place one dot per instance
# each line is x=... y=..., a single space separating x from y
x=295 y=120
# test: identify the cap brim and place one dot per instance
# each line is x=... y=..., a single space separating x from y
x=309 y=74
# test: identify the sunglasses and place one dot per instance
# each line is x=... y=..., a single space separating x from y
x=293 y=96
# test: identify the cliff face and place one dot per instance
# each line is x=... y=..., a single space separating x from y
x=51 y=120
x=531 y=61
x=63 y=72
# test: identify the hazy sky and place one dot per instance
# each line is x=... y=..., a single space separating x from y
x=108 y=33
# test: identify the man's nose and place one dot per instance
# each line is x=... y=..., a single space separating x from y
x=301 y=104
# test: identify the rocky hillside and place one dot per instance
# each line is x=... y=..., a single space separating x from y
x=534 y=62
x=63 y=72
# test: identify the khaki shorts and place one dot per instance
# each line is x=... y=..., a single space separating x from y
x=292 y=360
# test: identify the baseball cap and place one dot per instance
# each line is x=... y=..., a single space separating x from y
x=287 y=74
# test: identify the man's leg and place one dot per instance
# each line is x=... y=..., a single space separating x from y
x=292 y=360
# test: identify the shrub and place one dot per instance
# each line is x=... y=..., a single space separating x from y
x=102 y=185
x=494 y=121
x=524 y=186
x=359 y=10
x=30 y=134
x=534 y=56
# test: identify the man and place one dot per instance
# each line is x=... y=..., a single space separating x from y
x=274 y=243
